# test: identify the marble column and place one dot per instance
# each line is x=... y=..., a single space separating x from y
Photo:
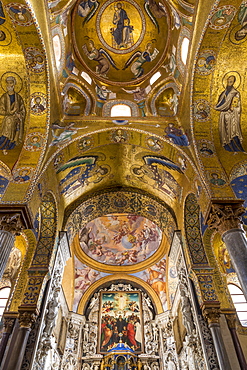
x=8 y=324
x=14 y=362
x=226 y=219
x=6 y=244
x=236 y=244
x=10 y=225
x=212 y=315
x=231 y=322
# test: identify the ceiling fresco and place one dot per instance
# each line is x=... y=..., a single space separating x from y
x=120 y=239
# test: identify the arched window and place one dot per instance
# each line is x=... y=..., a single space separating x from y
x=121 y=110
x=185 y=49
x=86 y=77
x=154 y=78
x=4 y=296
x=57 y=50
x=239 y=303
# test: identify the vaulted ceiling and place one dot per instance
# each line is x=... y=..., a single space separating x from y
x=170 y=63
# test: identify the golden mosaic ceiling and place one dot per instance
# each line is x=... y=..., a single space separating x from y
x=120 y=42
x=177 y=66
x=78 y=59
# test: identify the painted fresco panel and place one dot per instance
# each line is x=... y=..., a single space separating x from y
x=155 y=276
x=120 y=317
x=122 y=239
x=85 y=276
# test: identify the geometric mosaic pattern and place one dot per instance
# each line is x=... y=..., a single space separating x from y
x=193 y=232
x=47 y=234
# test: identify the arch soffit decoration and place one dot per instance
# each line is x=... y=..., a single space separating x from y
x=209 y=80
x=31 y=74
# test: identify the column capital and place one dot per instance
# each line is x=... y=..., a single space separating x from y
x=231 y=320
x=8 y=324
x=11 y=223
x=212 y=314
x=27 y=318
x=231 y=317
x=15 y=218
x=224 y=215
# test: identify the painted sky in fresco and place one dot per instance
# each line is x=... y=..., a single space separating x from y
x=122 y=239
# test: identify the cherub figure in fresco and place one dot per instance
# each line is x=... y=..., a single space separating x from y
x=147 y=235
x=139 y=58
x=100 y=56
x=128 y=256
x=13 y=109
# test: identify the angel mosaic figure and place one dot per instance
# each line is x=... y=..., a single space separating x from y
x=2 y=16
x=155 y=10
x=87 y=9
x=148 y=55
x=19 y=13
x=99 y=55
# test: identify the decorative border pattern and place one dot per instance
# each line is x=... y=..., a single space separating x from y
x=193 y=232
